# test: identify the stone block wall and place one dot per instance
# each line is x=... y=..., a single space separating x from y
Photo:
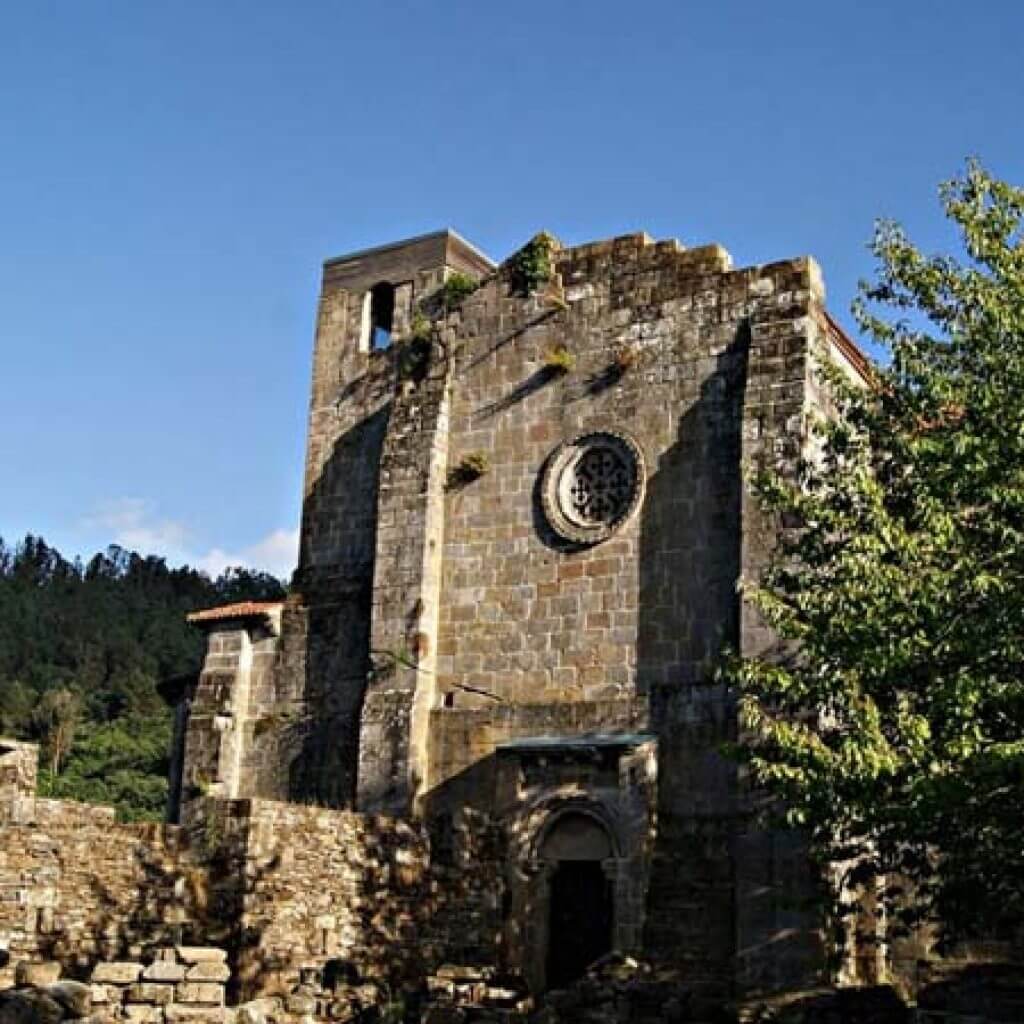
x=286 y=889
x=182 y=983
x=326 y=647
x=19 y=764
x=688 y=357
x=76 y=887
x=327 y=887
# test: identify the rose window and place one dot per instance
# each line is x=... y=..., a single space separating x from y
x=592 y=485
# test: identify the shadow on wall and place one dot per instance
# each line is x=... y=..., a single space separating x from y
x=153 y=887
x=326 y=645
x=690 y=559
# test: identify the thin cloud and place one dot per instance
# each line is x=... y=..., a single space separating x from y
x=276 y=553
x=134 y=524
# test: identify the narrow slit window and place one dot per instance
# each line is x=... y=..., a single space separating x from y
x=382 y=315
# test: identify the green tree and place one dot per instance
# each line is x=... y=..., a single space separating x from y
x=82 y=648
x=56 y=719
x=891 y=718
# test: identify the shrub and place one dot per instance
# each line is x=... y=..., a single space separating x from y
x=471 y=467
x=559 y=360
x=456 y=289
x=531 y=266
x=625 y=358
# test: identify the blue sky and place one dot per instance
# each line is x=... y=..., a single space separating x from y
x=172 y=176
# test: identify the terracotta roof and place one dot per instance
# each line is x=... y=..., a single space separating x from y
x=853 y=352
x=240 y=610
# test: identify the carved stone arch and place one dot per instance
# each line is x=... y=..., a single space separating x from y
x=577 y=825
x=572 y=859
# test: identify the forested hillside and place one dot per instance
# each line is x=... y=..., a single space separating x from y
x=82 y=648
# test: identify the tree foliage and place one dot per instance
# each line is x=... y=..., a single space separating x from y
x=82 y=648
x=55 y=719
x=891 y=719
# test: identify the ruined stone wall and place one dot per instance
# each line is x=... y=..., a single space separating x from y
x=19 y=765
x=706 y=368
x=528 y=619
x=182 y=983
x=326 y=886
x=225 y=711
x=285 y=888
x=307 y=747
x=75 y=887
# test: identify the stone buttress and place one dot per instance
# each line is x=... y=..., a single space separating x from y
x=524 y=526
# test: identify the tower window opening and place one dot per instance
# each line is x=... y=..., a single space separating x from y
x=382 y=315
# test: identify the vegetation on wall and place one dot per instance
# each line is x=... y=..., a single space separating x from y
x=896 y=736
x=559 y=360
x=414 y=354
x=470 y=467
x=531 y=266
x=82 y=648
x=414 y=351
x=456 y=289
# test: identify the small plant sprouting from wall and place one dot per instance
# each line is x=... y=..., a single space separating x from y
x=420 y=329
x=559 y=360
x=276 y=720
x=456 y=289
x=531 y=266
x=470 y=467
x=413 y=357
x=625 y=358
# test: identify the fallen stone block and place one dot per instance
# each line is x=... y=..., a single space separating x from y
x=444 y=1015
x=300 y=1003
x=343 y=1010
x=75 y=997
x=176 y=1013
x=36 y=972
x=150 y=992
x=165 y=970
x=208 y=970
x=194 y=954
x=143 y=1013
x=29 y=1006
x=116 y=972
x=462 y=972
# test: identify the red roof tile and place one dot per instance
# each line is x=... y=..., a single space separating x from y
x=853 y=352
x=240 y=610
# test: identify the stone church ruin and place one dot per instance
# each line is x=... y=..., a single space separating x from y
x=481 y=733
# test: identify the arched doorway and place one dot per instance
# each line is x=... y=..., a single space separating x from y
x=575 y=851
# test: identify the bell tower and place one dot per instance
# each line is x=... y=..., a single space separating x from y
x=367 y=303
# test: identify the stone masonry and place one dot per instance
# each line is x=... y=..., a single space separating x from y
x=523 y=529
x=480 y=740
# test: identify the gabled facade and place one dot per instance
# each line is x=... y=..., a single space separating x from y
x=524 y=526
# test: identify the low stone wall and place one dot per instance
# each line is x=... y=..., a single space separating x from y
x=184 y=983
x=330 y=890
x=76 y=887
x=18 y=767
x=295 y=894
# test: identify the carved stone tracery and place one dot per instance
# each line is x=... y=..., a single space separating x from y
x=592 y=485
